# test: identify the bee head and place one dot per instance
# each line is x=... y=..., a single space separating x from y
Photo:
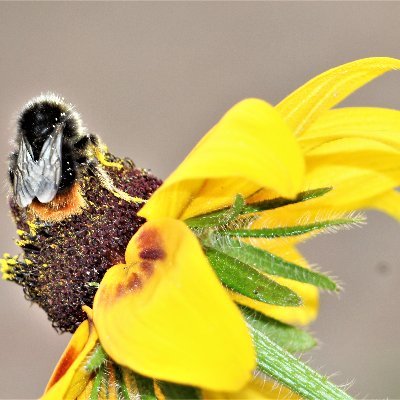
x=43 y=162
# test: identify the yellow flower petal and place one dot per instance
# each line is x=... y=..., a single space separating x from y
x=303 y=213
x=356 y=152
x=301 y=108
x=258 y=389
x=165 y=314
x=388 y=203
x=367 y=168
x=353 y=150
x=379 y=124
x=352 y=187
x=250 y=148
x=85 y=395
x=70 y=377
x=309 y=294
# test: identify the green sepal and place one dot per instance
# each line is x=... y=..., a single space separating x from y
x=225 y=215
x=122 y=389
x=145 y=387
x=270 y=233
x=289 y=337
x=97 y=384
x=282 y=201
x=267 y=262
x=282 y=366
x=221 y=217
x=101 y=366
x=246 y=280
x=174 y=391
x=133 y=385
x=97 y=358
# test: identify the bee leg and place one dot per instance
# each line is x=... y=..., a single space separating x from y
x=105 y=180
x=82 y=143
x=101 y=153
x=99 y=149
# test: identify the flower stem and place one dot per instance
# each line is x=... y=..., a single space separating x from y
x=292 y=373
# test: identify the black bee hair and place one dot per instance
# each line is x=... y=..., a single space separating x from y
x=51 y=147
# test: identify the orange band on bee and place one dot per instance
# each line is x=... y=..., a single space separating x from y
x=62 y=206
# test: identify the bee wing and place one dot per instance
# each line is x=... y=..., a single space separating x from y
x=40 y=178
x=27 y=175
x=50 y=166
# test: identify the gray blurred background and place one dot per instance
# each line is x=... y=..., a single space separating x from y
x=151 y=78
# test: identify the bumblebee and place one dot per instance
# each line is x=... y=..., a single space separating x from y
x=75 y=207
x=53 y=151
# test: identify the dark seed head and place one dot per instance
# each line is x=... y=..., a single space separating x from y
x=68 y=256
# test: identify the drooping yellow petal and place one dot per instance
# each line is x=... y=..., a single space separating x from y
x=356 y=151
x=302 y=107
x=250 y=148
x=367 y=154
x=352 y=186
x=258 y=389
x=379 y=124
x=70 y=377
x=309 y=294
x=303 y=213
x=165 y=314
x=388 y=203
x=367 y=168
x=85 y=395
x=353 y=189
